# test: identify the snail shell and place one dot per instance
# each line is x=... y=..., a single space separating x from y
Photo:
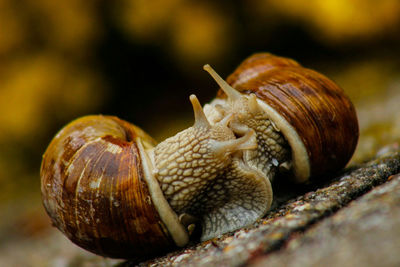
x=98 y=189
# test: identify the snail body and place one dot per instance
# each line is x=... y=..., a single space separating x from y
x=111 y=189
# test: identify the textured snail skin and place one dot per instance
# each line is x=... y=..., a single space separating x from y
x=94 y=190
x=316 y=108
x=202 y=175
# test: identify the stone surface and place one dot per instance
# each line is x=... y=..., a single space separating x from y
x=290 y=218
x=49 y=249
x=365 y=233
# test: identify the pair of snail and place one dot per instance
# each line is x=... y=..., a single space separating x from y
x=112 y=190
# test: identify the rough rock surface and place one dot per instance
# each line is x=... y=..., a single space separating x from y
x=315 y=220
x=366 y=233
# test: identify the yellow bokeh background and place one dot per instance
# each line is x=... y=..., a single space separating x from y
x=339 y=20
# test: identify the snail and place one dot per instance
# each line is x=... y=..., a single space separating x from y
x=313 y=114
x=111 y=189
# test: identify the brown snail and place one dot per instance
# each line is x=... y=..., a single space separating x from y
x=314 y=115
x=111 y=190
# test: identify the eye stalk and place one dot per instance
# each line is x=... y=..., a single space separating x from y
x=200 y=119
x=232 y=93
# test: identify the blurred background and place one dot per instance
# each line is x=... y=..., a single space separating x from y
x=140 y=60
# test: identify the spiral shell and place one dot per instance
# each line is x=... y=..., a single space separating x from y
x=97 y=189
